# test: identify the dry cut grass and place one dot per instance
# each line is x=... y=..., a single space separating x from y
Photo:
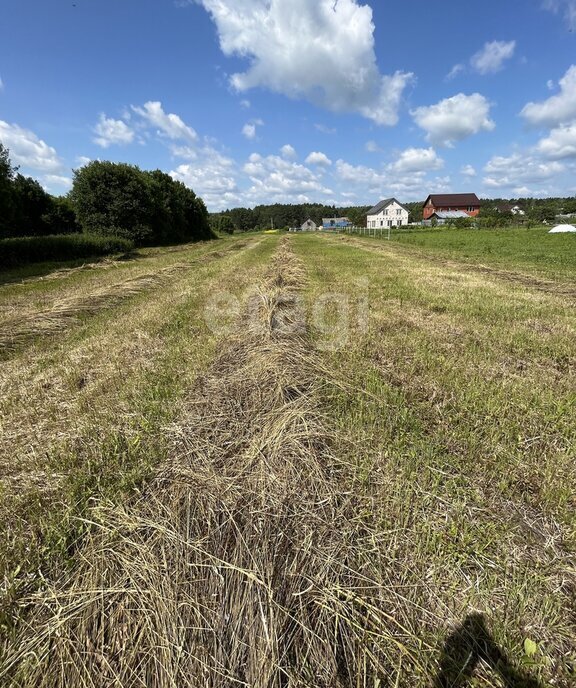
x=246 y=561
x=20 y=324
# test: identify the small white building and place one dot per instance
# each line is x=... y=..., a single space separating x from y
x=308 y=226
x=387 y=213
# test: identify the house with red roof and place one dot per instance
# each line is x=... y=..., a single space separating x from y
x=445 y=203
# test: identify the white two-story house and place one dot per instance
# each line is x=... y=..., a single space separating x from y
x=387 y=213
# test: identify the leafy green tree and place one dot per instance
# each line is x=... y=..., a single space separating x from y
x=145 y=207
x=167 y=215
x=113 y=199
x=60 y=217
x=31 y=203
x=196 y=214
x=225 y=224
x=6 y=195
x=357 y=217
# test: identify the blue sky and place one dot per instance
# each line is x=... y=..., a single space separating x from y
x=263 y=101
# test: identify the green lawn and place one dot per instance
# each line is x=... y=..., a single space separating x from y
x=520 y=248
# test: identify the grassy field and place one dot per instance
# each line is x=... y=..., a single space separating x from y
x=356 y=468
x=514 y=248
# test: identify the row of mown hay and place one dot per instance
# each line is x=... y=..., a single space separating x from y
x=245 y=562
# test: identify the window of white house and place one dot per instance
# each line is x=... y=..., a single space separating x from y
x=399 y=211
x=386 y=212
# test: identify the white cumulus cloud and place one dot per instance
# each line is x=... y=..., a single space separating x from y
x=249 y=129
x=276 y=179
x=27 y=149
x=212 y=177
x=417 y=160
x=492 y=56
x=112 y=131
x=454 y=119
x=324 y=129
x=456 y=69
x=404 y=178
x=361 y=175
x=557 y=109
x=60 y=181
x=560 y=143
x=519 y=170
x=319 y=50
x=318 y=158
x=288 y=152
x=168 y=124
x=468 y=171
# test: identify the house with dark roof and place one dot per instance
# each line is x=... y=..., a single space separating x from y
x=445 y=203
x=387 y=213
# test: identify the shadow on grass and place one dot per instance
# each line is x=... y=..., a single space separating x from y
x=470 y=644
x=38 y=270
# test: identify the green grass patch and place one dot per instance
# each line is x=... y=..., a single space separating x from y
x=59 y=247
x=458 y=413
x=521 y=248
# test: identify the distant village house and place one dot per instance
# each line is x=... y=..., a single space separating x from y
x=335 y=223
x=446 y=217
x=309 y=226
x=506 y=208
x=467 y=203
x=387 y=213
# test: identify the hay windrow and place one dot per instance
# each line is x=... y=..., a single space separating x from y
x=16 y=331
x=245 y=561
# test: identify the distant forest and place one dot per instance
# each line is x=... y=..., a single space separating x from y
x=494 y=212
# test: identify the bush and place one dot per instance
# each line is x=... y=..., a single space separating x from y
x=145 y=207
x=20 y=250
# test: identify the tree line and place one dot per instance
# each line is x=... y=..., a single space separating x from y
x=282 y=215
x=106 y=199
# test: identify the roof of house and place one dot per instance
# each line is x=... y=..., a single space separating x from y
x=334 y=220
x=383 y=204
x=453 y=199
x=450 y=214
